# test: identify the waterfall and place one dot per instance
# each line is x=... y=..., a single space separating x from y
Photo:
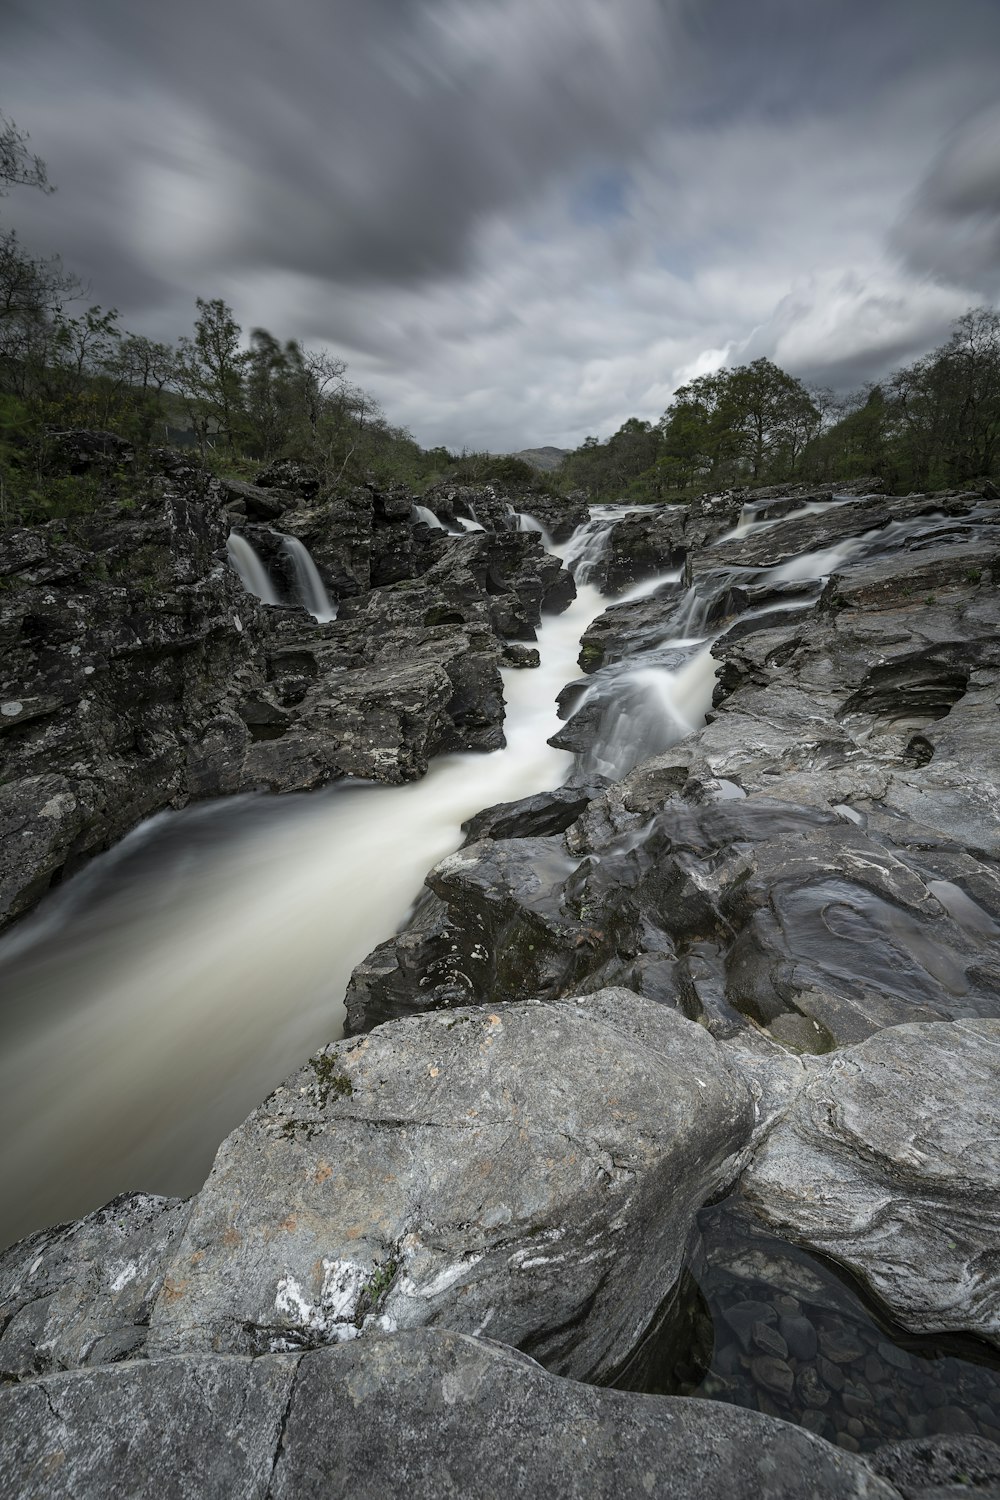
x=585 y=550
x=209 y=953
x=156 y=998
x=253 y=574
x=652 y=709
x=310 y=585
x=526 y=522
x=467 y=524
x=425 y=514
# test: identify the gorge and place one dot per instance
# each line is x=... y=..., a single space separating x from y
x=697 y=1012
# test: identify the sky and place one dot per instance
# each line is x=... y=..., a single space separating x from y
x=523 y=221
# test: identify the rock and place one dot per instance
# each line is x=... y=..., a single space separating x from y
x=642 y=545
x=920 y=1468
x=129 y=656
x=540 y=816
x=171 y=1429
x=522 y=1157
x=81 y=451
x=81 y=1294
x=885 y=1162
x=436 y=1414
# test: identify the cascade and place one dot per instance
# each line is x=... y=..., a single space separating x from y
x=312 y=593
x=162 y=996
x=425 y=514
x=159 y=996
x=526 y=522
x=253 y=574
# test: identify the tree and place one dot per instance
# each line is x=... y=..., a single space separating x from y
x=18 y=166
x=209 y=373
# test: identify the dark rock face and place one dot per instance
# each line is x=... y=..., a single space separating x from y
x=454 y=1415
x=138 y=673
x=127 y=645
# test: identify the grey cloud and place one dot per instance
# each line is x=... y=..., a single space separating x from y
x=519 y=220
x=368 y=141
x=951 y=227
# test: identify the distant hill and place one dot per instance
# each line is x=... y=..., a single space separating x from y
x=545 y=459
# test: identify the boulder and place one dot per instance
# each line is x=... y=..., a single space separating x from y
x=886 y=1161
x=435 y=1414
x=81 y=1294
x=495 y=1171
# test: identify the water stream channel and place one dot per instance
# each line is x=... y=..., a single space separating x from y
x=156 y=998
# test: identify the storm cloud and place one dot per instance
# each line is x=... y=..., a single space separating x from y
x=523 y=220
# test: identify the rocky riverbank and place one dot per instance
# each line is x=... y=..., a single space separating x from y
x=759 y=960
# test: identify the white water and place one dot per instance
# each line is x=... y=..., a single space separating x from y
x=469 y=525
x=156 y=999
x=526 y=522
x=425 y=514
x=312 y=593
x=253 y=574
x=144 y=1030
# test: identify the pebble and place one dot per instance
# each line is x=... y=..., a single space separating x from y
x=811 y=1389
x=844 y=1440
x=898 y=1358
x=741 y=1317
x=815 y=1421
x=769 y=1339
x=790 y=1306
x=843 y=1351
x=952 y=1420
x=773 y=1373
x=875 y=1370
x=830 y=1374
x=856 y=1428
x=799 y=1335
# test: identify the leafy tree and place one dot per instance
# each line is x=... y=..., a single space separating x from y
x=209 y=373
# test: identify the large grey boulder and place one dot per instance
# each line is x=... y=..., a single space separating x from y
x=81 y=1294
x=430 y=1414
x=887 y=1161
x=459 y=1417
x=530 y=1172
x=173 y=1429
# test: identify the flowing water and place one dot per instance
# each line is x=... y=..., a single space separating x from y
x=253 y=574
x=156 y=998
x=312 y=594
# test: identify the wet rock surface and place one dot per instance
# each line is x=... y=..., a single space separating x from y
x=138 y=673
x=887 y=1161
x=768 y=1326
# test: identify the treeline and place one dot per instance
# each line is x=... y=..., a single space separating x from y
x=240 y=402
x=933 y=425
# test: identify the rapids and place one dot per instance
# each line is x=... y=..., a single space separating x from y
x=157 y=997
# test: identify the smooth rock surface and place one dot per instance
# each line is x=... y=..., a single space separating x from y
x=529 y=1172
x=430 y=1414
x=887 y=1161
